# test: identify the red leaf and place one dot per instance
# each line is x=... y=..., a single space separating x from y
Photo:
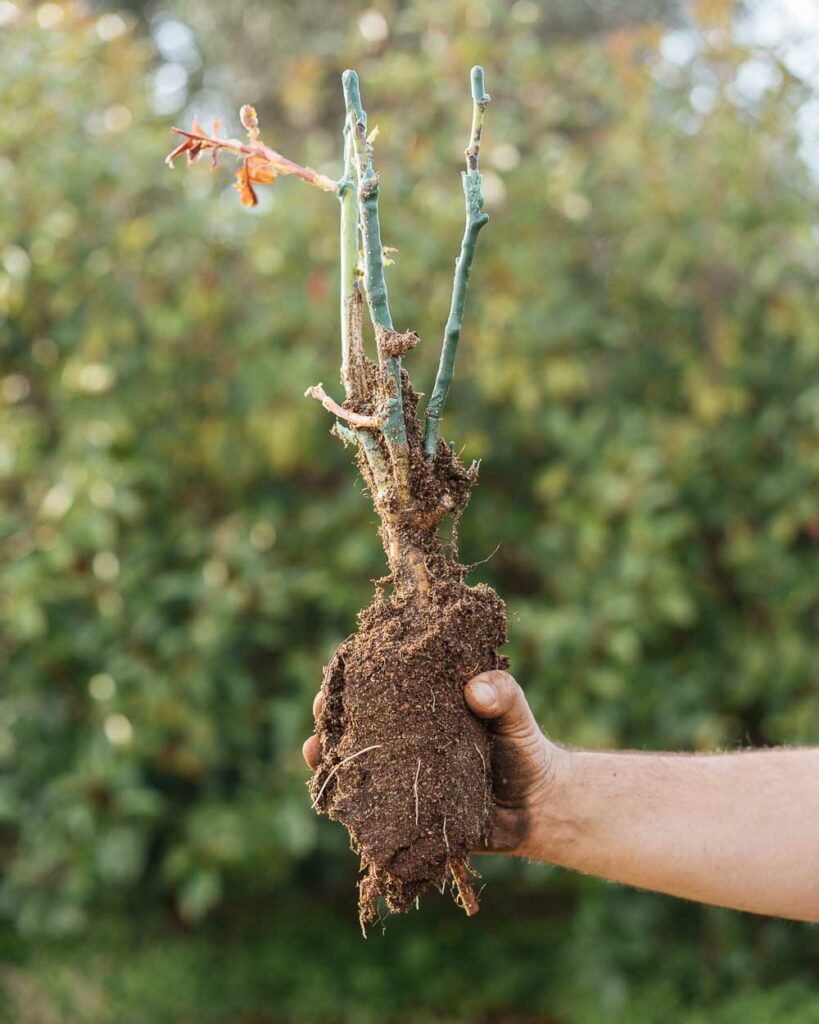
x=260 y=171
x=244 y=187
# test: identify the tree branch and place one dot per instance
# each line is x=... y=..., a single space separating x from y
x=344 y=434
x=475 y=220
x=197 y=142
x=352 y=344
x=480 y=101
x=377 y=463
x=375 y=286
x=355 y=418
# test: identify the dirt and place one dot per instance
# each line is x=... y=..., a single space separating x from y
x=405 y=766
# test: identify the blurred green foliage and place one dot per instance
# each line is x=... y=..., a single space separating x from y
x=182 y=544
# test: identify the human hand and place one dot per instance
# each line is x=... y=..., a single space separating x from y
x=525 y=763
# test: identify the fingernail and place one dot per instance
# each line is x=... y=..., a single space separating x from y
x=483 y=694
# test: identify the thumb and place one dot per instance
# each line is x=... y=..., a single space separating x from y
x=496 y=696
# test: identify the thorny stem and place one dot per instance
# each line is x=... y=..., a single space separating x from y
x=475 y=220
x=375 y=286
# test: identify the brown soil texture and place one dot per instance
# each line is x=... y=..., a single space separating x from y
x=405 y=766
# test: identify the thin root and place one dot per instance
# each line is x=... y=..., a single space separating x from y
x=358 y=753
x=463 y=887
x=483 y=561
x=415 y=789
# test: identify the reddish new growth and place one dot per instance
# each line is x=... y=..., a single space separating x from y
x=260 y=165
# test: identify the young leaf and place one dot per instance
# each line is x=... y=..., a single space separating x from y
x=250 y=122
x=244 y=186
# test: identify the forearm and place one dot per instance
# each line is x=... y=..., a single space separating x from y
x=738 y=830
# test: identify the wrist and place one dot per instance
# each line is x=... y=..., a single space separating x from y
x=554 y=821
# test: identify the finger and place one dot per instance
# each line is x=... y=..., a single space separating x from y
x=496 y=696
x=318 y=703
x=311 y=749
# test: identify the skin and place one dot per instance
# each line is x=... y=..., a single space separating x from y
x=738 y=830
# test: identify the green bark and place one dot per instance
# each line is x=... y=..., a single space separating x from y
x=375 y=286
x=475 y=220
x=351 y=345
x=352 y=348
